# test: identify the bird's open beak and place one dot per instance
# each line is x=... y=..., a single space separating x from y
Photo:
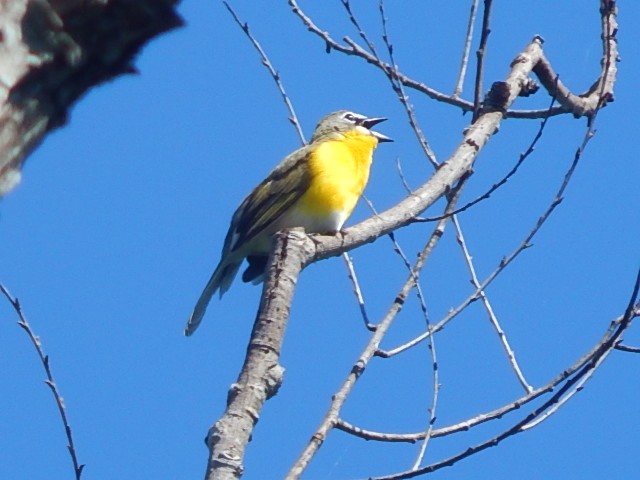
x=370 y=122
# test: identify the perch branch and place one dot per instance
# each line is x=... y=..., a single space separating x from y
x=261 y=374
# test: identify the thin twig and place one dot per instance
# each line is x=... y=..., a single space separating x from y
x=398 y=249
x=452 y=199
x=398 y=88
x=431 y=346
x=50 y=382
x=523 y=156
x=390 y=73
x=564 y=399
x=293 y=118
x=628 y=314
x=627 y=348
x=435 y=387
x=357 y=291
x=352 y=18
x=466 y=50
x=489 y=309
x=403 y=179
x=481 y=54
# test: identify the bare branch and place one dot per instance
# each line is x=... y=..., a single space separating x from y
x=50 y=382
x=391 y=73
x=403 y=179
x=357 y=291
x=397 y=87
x=293 y=118
x=347 y=5
x=627 y=348
x=261 y=374
x=601 y=92
x=467 y=48
x=487 y=305
x=480 y=54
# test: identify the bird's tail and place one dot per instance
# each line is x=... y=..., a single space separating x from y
x=220 y=280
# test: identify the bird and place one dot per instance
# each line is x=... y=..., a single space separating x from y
x=315 y=187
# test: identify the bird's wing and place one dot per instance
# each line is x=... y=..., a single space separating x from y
x=266 y=204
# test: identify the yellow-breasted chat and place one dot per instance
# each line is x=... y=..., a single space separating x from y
x=316 y=187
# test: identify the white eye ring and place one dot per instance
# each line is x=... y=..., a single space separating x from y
x=350 y=116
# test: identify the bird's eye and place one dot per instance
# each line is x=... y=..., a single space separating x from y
x=350 y=116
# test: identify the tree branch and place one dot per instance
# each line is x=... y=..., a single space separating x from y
x=261 y=374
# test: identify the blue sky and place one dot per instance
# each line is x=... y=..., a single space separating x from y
x=121 y=215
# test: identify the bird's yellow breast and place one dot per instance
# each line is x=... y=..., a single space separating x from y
x=339 y=170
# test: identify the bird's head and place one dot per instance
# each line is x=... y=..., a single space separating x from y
x=344 y=121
